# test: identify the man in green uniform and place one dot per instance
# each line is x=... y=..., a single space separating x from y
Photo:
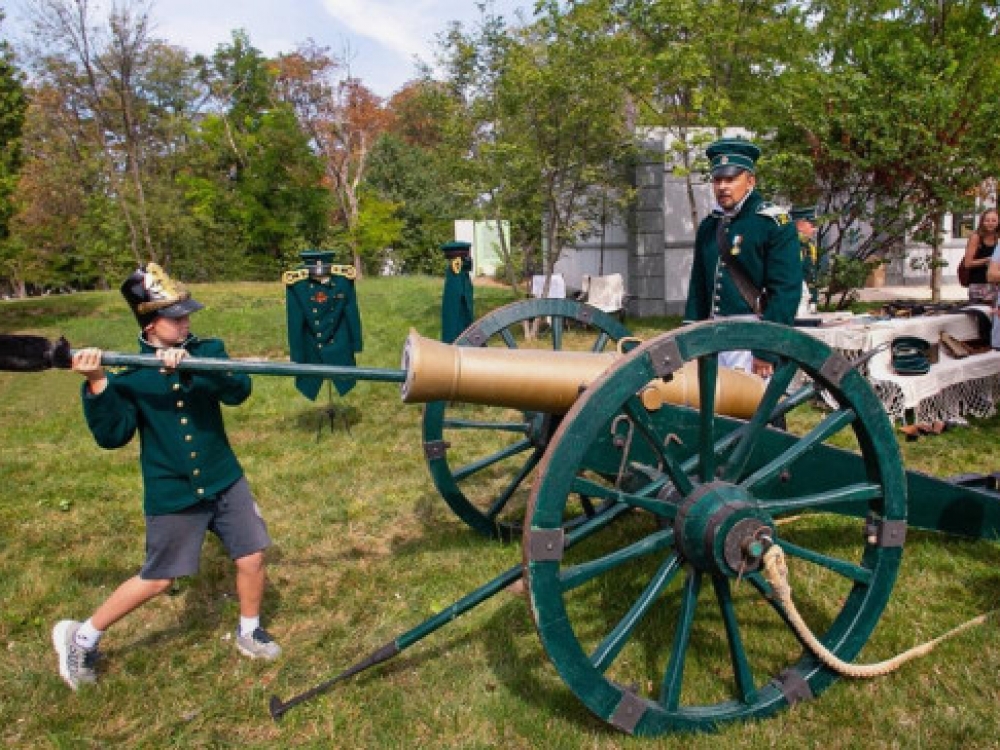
x=324 y=324
x=457 y=306
x=746 y=255
x=192 y=480
x=805 y=226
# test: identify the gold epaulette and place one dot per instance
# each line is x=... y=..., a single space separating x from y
x=348 y=272
x=777 y=213
x=294 y=277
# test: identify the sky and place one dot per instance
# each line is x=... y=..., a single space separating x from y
x=378 y=38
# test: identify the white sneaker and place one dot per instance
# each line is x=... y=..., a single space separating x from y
x=258 y=645
x=76 y=663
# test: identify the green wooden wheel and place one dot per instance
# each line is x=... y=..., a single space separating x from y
x=483 y=459
x=662 y=622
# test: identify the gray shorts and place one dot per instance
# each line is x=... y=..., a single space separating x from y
x=173 y=541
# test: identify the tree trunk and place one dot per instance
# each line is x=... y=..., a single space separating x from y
x=936 y=259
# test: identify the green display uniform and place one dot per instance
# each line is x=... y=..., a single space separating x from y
x=457 y=304
x=184 y=453
x=765 y=244
x=324 y=324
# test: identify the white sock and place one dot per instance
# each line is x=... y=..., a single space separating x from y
x=87 y=636
x=248 y=625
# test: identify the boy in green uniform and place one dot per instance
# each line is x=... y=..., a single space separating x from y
x=746 y=253
x=192 y=480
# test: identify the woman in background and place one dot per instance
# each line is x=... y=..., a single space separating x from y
x=978 y=252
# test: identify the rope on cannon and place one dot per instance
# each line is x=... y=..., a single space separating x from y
x=775 y=572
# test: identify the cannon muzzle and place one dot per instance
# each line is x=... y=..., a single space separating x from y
x=550 y=381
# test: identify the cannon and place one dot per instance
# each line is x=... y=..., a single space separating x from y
x=656 y=610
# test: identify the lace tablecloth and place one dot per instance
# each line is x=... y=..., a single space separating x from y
x=952 y=388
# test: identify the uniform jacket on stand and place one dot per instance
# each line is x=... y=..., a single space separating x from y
x=324 y=325
x=457 y=306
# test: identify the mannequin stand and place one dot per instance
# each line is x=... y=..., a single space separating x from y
x=331 y=413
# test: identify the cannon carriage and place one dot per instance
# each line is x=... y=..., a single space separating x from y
x=646 y=527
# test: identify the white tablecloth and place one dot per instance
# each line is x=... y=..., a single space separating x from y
x=952 y=387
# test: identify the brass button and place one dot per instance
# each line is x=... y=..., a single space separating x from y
x=180 y=404
x=196 y=472
x=188 y=438
x=184 y=420
x=201 y=491
x=194 y=454
x=176 y=386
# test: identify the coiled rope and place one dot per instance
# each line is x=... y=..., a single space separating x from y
x=776 y=574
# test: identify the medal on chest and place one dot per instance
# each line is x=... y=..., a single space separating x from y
x=320 y=297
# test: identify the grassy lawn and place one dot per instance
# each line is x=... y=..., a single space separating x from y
x=365 y=549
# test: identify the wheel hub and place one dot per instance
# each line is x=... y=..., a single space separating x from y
x=718 y=529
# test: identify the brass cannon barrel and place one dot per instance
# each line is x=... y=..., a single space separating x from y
x=550 y=381
x=529 y=379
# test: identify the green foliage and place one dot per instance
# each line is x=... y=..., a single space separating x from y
x=13 y=105
x=895 y=111
x=416 y=179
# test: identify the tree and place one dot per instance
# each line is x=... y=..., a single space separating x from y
x=417 y=165
x=549 y=128
x=343 y=120
x=253 y=178
x=103 y=67
x=891 y=122
x=696 y=66
x=13 y=105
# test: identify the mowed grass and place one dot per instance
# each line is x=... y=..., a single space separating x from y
x=364 y=550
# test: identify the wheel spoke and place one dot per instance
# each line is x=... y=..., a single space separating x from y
x=611 y=646
x=601 y=342
x=504 y=497
x=641 y=499
x=848 y=570
x=508 y=338
x=557 y=331
x=741 y=665
x=831 y=425
x=512 y=450
x=474 y=424
x=852 y=493
x=776 y=388
x=708 y=376
x=670 y=693
x=640 y=417
x=577 y=575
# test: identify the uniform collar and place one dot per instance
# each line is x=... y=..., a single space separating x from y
x=145 y=347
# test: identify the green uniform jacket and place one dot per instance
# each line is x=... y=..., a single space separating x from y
x=324 y=328
x=767 y=247
x=457 y=306
x=184 y=452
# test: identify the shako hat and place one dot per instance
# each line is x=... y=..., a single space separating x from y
x=730 y=156
x=317 y=260
x=151 y=293
x=456 y=249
